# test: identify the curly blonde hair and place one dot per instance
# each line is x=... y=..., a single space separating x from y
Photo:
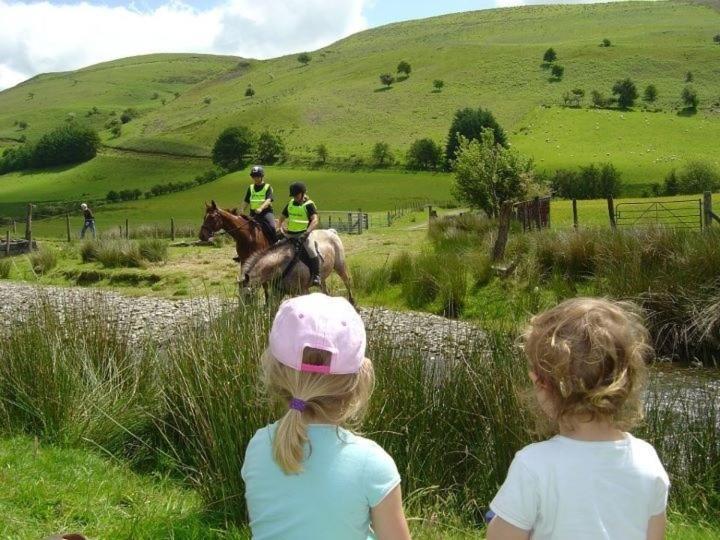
x=329 y=399
x=590 y=355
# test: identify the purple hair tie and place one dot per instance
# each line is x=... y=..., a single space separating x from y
x=297 y=404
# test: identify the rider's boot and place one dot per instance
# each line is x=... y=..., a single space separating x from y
x=314 y=264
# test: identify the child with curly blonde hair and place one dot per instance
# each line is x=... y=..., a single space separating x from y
x=592 y=480
x=307 y=476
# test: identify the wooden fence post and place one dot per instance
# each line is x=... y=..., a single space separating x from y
x=28 y=225
x=429 y=213
x=7 y=242
x=67 y=227
x=14 y=226
x=172 y=229
x=389 y=220
x=611 y=211
x=707 y=208
x=575 y=215
x=360 y=221
x=349 y=223
x=536 y=211
x=127 y=229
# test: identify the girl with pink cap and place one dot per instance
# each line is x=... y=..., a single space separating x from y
x=307 y=475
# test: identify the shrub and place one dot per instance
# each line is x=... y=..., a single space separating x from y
x=207 y=100
x=549 y=56
x=321 y=152
x=67 y=144
x=689 y=77
x=698 y=177
x=689 y=97
x=716 y=38
x=153 y=250
x=671 y=185
x=119 y=253
x=557 y=71
x=233 y=148
x=605 y=43
x=128 y=114
x=387 y=79
x=598 y=100
x=5 y=267
x=574 y=97
x=16 y=159
x=424 y=155
x=401 y=268
x=155 y=95
x=438 y=84
x=404 y=68
x=43 y=260
x=650 y=94
x=626 y=93
x=381 y=154
x=269 y=148
x=470 y=124
x=304 y=58
x=590 y=182
x=249 y=91
x=22 y=124
x=89 y=251
x=116 y=130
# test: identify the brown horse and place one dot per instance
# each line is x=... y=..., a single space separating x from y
x=247 y=233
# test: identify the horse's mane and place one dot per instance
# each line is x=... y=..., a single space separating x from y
x=271 y=251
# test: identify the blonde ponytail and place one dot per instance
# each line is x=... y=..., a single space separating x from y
x=328 y=399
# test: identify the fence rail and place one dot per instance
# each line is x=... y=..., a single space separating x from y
x=682 y=214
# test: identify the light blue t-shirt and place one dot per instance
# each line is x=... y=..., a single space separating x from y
x=344 y=476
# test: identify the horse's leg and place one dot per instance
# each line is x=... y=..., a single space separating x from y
x=343 y=273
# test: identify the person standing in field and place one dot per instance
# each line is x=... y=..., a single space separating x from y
x=307 y=475
x=259 y=198
x=593 y=479
x=298 y=220
x=89 y=221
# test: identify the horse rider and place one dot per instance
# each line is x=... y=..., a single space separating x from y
x=89 y=220
x=298 y=220
x=259 y=198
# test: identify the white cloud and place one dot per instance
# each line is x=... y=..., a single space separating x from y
x=40 y=37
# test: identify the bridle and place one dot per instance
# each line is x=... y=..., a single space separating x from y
x=248 y=219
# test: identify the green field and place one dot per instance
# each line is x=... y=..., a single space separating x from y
x=643 y=145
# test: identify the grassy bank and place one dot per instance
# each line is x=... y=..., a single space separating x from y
x=189 y=409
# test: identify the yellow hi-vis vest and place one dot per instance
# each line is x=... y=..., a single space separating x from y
x=298 y=220
x=257 y=198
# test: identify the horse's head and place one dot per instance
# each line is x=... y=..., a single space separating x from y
x=212 y=222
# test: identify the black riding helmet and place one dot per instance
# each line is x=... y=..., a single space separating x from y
x=257 y=170
x=296 y=188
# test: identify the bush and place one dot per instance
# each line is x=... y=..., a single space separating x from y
x=5 y=267
x=269 y=148
x=557 y=71
x=43 y=260
x=16 y=159
x=381 y=154
x=590 y=182
x=438 y=84
x=470 y=124
x=605 y=43
x=128 y=114
x=697 y=177
x=716 y=39
x=153 y=250
x=689 y=77
x=598 y=100
x=387 y=79
x=249 y=91
x=626 y=93
x=304 y=58
x=321 y=152
x=689 y=97
x=650 y=94
x=67 y=144
x=574 y=97
x=404 y=68
x=424 y=155
x=549 y=56
x=233 y=148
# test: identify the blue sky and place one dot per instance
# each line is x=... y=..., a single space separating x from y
x=39 y=36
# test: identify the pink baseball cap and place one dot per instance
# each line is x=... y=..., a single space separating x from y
x=321 y=322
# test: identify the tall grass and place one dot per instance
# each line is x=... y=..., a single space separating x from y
x=452 y=421
x=43 y=260
x=5 y=267
x=123 y=253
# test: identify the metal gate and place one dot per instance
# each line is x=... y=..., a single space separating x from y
x=684 y=214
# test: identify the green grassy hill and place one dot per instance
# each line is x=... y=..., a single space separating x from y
x=488 y=58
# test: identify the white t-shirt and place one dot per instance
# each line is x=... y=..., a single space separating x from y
x=564 y=489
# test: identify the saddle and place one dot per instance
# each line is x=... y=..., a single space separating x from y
x=300 y=255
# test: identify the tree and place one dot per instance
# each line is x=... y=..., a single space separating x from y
x=269 y=148
x=626 y=93
x=574 y=97
x=470 y=124
x=424 y=155
x=404 y=68
x=716 y=39
x=233 y=148
x=321 y=152
x=387 y=79
x=381 y=154
x=650 y=94
x=698 y=177
x=672 y=184
x=689 y=97
x=304 y=58
x=689 y=77
x=557 y=71
x=550 y=56
x=438 y=84
x=249 y=91
x=112 y=196
x=488 y=174
x=605 y=43
x=70 y=143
